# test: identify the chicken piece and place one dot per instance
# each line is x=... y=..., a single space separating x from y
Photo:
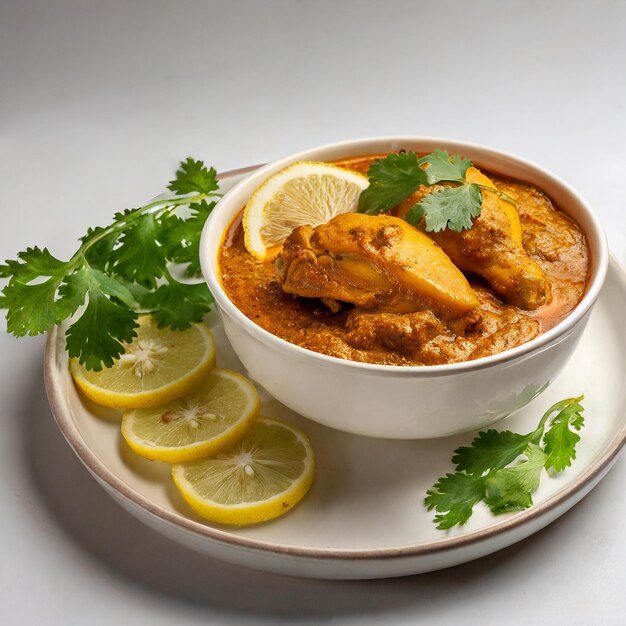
x=492 y=248
x=375 y=262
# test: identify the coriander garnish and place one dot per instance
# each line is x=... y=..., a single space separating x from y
x=397 y=176
x=486 y=470
x=117 y=272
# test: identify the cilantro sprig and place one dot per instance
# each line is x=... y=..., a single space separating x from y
x=118 y=272
x=397 y=176
x=503 y=468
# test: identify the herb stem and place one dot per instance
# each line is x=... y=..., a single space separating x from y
x=501 y=194
x=117 y=227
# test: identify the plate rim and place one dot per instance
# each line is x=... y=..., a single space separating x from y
x=99 y=470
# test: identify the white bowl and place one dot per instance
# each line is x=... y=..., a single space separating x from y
x=404 y=402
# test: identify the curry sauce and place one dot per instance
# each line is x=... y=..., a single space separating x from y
x=549 y=237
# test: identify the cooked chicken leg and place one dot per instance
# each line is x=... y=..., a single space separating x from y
x=492 y=248
x=376 y=262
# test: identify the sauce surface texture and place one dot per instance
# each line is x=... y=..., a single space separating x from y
x=549 y=237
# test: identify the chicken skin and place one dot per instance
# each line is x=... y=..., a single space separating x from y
x=375 y=262
x=492 y=248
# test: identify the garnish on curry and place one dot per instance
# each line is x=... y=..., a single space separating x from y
x=376 y=289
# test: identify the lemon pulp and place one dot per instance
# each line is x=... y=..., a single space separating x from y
x=160 y=364
x=216 y=414
x=306 y=192
x=259 y=478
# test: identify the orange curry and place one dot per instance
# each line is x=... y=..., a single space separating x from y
x=506 y=285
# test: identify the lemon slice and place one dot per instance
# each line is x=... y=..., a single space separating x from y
x=159 y=365
x=215 y=415
x=302 y=193
x=261 y=477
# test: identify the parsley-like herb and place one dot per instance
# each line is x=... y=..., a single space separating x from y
x=503 y=469
x=392 y=179
x=397 y=176
x=118 y=272
x=452 y=207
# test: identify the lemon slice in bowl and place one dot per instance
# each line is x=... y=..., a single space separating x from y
x=160 y=364
x=259 y=478
x=306 y=192
x=215 y=415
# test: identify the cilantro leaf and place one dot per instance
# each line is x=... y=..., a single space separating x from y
x=510 y=489
x=560 y=439
x=490 y=450
x=96 y=336
x=454 y=497
x=114 y=272
x=112 y=286
x=75 y=287
x=392 y=179
x=484 y=471
x=178 y=305
x=72 y=292
x=33 y=263
x=451 y=207
x=442 y=166
x=396 y=177
x=123 y=217
x=181 y=237
x=193 y=176
x=139 y=257
x=31 y=308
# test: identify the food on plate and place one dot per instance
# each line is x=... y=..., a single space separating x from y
x=257 y=479
x=132 y=330
x=302 y=193
x=232 y=467
x=218 y=413
x=503 y=469
x=440 y=262
x=158 y=365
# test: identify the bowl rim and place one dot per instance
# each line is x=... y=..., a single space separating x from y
x=600 y=260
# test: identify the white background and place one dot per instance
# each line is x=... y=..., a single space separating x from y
x=98 y=102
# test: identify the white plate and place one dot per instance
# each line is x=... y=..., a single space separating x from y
x=364 y=516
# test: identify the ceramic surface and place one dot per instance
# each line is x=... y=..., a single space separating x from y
x=397 y=401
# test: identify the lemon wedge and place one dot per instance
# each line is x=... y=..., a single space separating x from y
x=257 y=479
x=159 y=365
x=306 y=192
x=215 y=415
